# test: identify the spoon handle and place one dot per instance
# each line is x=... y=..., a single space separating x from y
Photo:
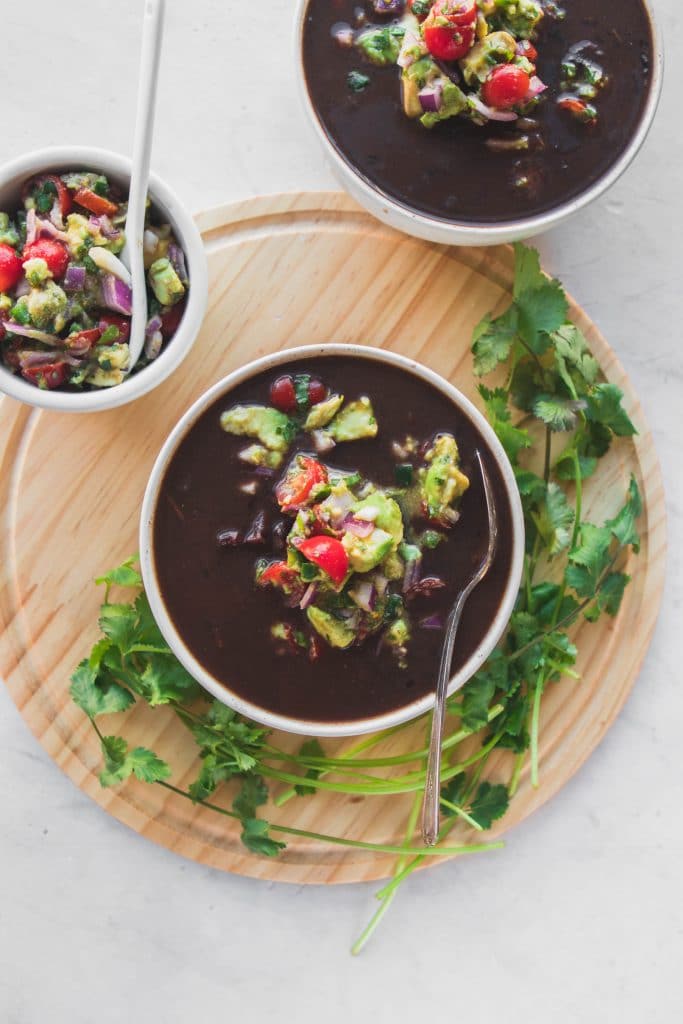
x=430 y=807
x=432 y=794
x=152 y=32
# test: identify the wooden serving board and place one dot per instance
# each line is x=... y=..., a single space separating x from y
x=284 y=270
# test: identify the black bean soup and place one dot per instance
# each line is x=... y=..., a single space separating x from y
x=226 y=619
x=459 y=170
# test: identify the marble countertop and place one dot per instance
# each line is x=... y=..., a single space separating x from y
x=579 y=918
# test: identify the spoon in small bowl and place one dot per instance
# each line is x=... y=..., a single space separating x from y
x=132 y=254
x=430 y=805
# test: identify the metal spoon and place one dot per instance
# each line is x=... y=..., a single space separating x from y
x=132 y=254
x=430 y=805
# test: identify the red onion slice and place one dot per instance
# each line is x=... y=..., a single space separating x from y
x=31 y=226
x=536 y=87
x=490 y=113
x=74 y=279
x=364 y=595
x=358 y=527
x=33 y=333
x=309 y=596
x=431 y=98
x=116 y=295
x=432 y=622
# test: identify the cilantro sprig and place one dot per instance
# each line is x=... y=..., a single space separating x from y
x=556 y=419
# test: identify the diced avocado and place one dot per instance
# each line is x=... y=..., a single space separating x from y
x=334 y=631
x=8 y=236
x=367 y=552
x=165 y=283
x=495 y=48
x=19 y=311
x=5 y=303
x=257 y=455
x=270 y=426
x=443 y=482
x=46 y=306
x=413 y=79
x=453 y=102
x=388 y=516
x=398 y=633
x=355 y=421
x=520 y=17
x=81 y=235
x=381 y=45
x=393 y=566
x=321 y=414
x=105 y=378
x=113 y=357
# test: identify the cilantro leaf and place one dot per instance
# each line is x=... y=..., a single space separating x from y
x=623 y=526
x=253 y=793
x=604 y=406
x=120 y=763
x=164 y=680
x=97 y=698
x=540 y=312
x=492 y=341
x=118 y=621
x=573 y=360
x=490 y=803
x=478 y=692
x=609 y=596
x=124 y=575
x=453 y=791
x=590 y=442
x=528 y=273
x=554 y=519
x=513 y=439
x=256 y=839
x=560 y=414
x=589 y=559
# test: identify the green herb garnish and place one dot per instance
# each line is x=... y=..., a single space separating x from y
x=556 y=419
x=356 y=81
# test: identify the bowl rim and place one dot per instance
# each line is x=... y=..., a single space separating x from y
x=110 y=162
x=291 y=723
x=385 y=206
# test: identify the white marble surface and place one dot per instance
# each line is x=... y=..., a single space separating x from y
x=579 y=919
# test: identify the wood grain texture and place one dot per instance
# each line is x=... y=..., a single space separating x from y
x=284 y=270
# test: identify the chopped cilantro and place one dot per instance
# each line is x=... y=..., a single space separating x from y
x=356 y=81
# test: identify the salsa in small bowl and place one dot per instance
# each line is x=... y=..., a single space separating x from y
x=65 y=295
x=306 y=528
x=478 y=121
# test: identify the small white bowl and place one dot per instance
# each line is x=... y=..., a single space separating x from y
x=116 y=167
x=156 y=600
x=443 y=231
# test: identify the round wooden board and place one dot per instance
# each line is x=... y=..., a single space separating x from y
x=284 y=270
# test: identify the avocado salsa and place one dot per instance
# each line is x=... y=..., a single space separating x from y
x=65 y=295
x=478 y=110
x=313 y=529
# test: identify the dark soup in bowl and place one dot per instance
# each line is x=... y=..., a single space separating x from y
x=479 y=111
x=312 y=528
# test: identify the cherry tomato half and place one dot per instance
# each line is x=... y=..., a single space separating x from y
x=528 y=50
x=83 y=341
x=122 y=323
x=279 y=574
x=10 y=267
x=96 y=204
x=317 y=392
x=53 y=252
x=328 y=554
x=299 y=481
x=170 y=319
x=506 y=86
x=283 y=395
x=47 y=376
x=458 y=12
x=448 y=43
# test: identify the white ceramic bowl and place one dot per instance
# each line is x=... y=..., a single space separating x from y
x=117 y=168
x=447 y=232
x=175 y=640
